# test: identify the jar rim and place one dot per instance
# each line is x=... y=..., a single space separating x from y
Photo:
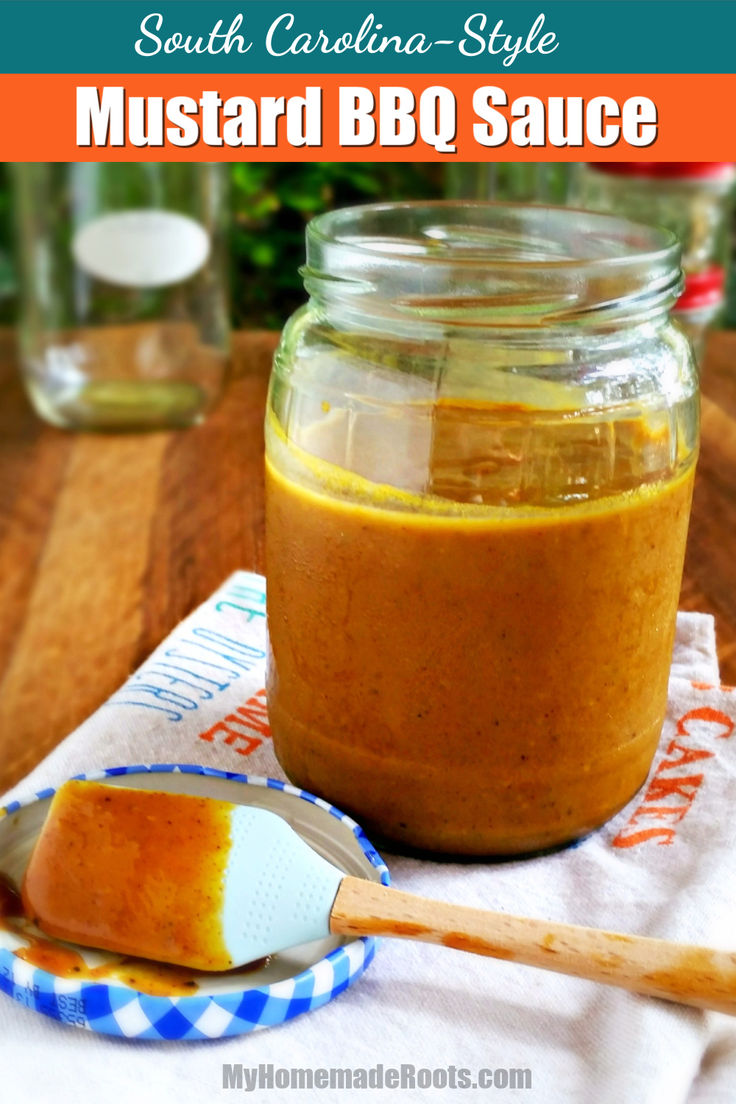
x=448 y=260
x=655 y=242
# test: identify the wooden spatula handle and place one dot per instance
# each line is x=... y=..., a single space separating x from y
x=687 y=974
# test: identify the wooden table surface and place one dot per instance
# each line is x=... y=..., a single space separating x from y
x=106 y=541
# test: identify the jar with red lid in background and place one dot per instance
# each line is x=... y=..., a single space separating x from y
x=700 y=304
x=691 y=198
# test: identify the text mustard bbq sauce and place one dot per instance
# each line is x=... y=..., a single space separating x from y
x=477 y=508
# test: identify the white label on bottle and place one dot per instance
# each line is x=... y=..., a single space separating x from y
x=141 y=248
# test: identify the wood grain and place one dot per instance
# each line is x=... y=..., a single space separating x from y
x=700 y=976
x=106 y=541
x=709 y=582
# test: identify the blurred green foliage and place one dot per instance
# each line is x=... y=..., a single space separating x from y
x=729 y=318
x=7 y=268
x=271 y=205
x=516 y=181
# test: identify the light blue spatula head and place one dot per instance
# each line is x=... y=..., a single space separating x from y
x=278 y=891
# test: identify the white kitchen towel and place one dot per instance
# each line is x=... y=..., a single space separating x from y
x=665 y=866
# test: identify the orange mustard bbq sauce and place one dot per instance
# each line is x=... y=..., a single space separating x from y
x=82 y=882
x=484 y=682
x=62 y=960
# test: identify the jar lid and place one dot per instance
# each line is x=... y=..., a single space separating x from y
x=702 y=289
x=673 y=170
x=278 y=989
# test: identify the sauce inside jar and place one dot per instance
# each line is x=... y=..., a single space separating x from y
x=480 y=667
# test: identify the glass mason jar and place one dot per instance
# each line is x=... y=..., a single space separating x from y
x=691 y=198
x=481 y=438
x=123 y=308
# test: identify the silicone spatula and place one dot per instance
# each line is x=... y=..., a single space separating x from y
x=208 y=884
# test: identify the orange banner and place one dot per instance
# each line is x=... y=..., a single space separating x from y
x=267 y=117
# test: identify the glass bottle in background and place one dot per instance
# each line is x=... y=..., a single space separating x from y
x=514 y=181
x=123 y=307
x=691 y=198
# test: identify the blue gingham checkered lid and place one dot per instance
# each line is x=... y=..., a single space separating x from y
x=290 y=983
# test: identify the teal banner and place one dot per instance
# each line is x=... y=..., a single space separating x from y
x=388 y=36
